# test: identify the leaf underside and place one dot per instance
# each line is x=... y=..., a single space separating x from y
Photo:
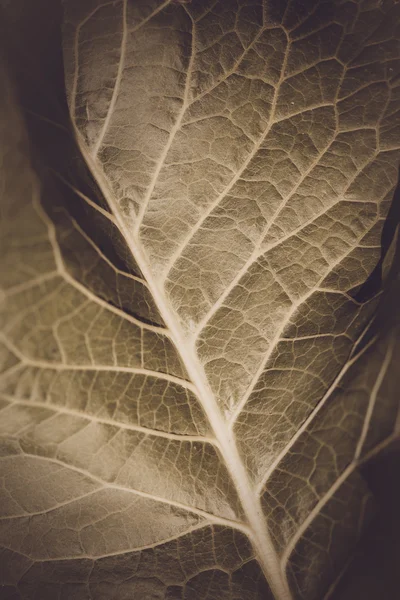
x=196 y=349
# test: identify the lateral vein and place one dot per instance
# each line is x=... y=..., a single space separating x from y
x=316 y=410
x=82 y=288
x=208 y=516
x=171 y=136
x=43 y=364
x=354 y=464
x=117 y=84
x=113 y=422
x=279 y=334
x=257 y=529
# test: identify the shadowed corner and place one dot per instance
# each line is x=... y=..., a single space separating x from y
x=374 y=572
x=373 y=283
x=37 y=69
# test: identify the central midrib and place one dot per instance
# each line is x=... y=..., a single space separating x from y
x=260 y=538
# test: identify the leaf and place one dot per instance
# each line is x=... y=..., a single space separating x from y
x=195 y=353
x=374 y=568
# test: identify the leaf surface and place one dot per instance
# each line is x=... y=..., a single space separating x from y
x=192 y=370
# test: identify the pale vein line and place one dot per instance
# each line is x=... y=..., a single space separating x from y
x=149 y=17
x=339 y=292
x=171 y=136
x=288 y=5
x=373 y=398
x=303 y=111
x=117 y=84
x=258 y=532
x=83 y=289
x=43 y=364
x=198 y=511
x=361 y=88
x=90 y=202
x=232 y=71
x=30 y=283
x=76 y=56
x=362 y=513
x=232 y=182
x=47 y=120
x=279 y=334
x=354 y=350
x=57 y=409
x=341 y=479
x=20 y=315
x=53 y=508
x=338 y=579
x=121 y=66
x=376 y=450
x=310 y=108
x=257 y=253
x=314 y=412
x=314 y=336
x=95 y=557
x=104 y=257
x=315 y=512
x=320 y=61
x=110 y=307
x=16 y=368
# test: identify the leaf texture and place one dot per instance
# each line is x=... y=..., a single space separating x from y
x=192 y=370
